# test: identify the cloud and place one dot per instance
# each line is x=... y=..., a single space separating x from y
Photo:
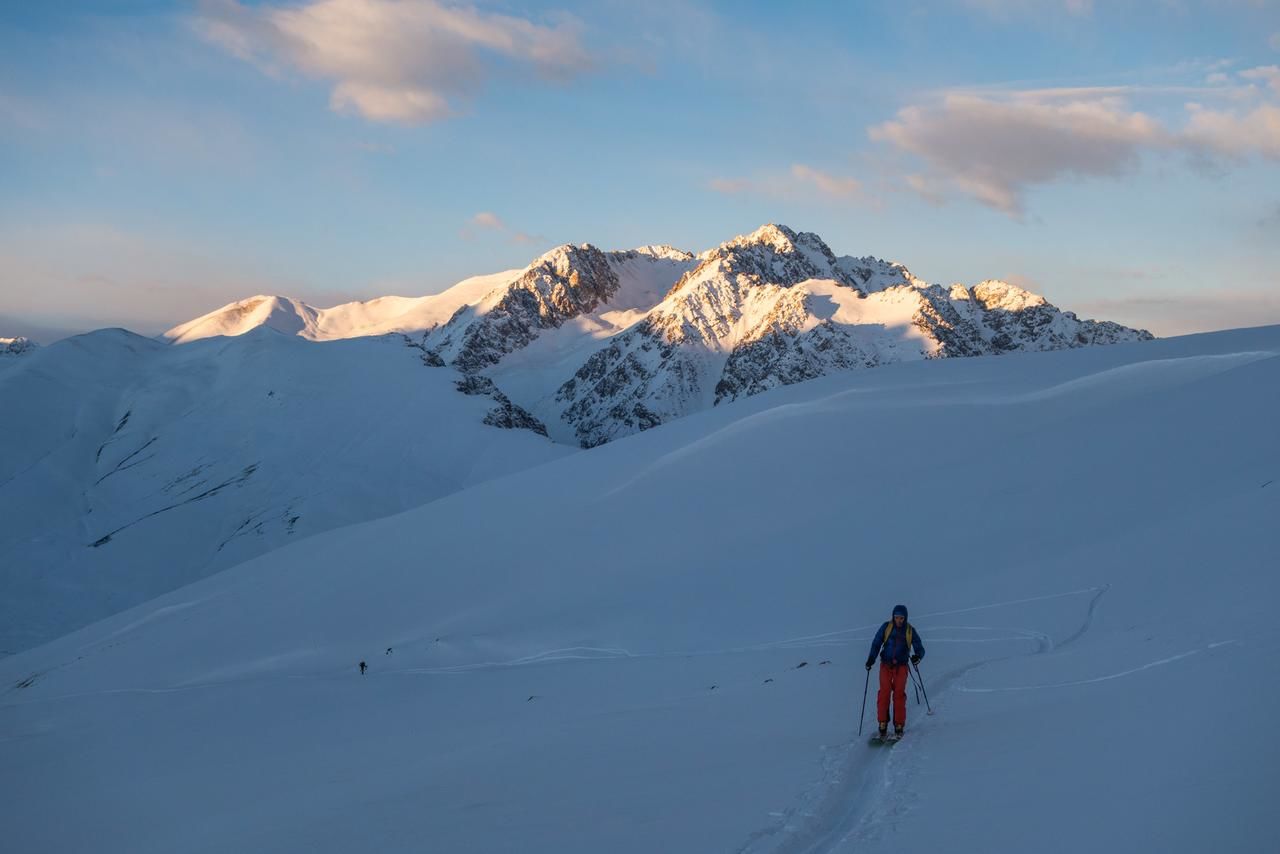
x=827 y=184
x=994 y=147
x=799 y=180
x=403 y=61
x=1269 y=74
x=1236 y=135
x=992 y=150
x=490 y=221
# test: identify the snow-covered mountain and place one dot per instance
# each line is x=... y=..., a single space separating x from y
x=350 y=320
x=135 y=467
x=129 y=468
x=656 y=645
x=776 y=307
x=589 y=345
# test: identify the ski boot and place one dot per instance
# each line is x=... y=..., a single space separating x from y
x=897 y=733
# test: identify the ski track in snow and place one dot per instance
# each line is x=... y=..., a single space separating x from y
x=846 y=802
x=854 y=796
x=966 y=689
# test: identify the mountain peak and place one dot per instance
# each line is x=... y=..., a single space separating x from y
x=774 y=235
x=998 y=294
x=282 y=314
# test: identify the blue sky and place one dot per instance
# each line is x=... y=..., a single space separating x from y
x=160 y=159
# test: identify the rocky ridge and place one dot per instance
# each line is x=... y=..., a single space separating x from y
x=17 y=346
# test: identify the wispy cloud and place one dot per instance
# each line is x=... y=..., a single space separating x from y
x=800 y=180
x=488 y=219
x=825 y=182
x=993 y=150
x=402 y=61
x=491 y=222
x=1268 y=74
x=994 y=146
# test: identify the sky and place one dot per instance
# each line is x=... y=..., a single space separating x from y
x=161 y=159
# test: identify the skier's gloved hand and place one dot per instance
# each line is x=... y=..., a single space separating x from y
x=870 y=661
x=915 y=659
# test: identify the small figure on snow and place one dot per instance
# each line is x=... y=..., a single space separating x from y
x=894 y=642
x=362 y=668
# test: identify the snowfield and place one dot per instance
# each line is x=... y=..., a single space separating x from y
x=129 y=468
x=657 y=645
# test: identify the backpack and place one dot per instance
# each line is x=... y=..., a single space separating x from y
x=888 y=630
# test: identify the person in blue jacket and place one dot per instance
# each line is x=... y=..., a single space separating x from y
x=897 y=642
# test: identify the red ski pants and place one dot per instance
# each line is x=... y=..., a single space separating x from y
x=893 y=680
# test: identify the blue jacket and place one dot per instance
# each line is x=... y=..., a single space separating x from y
x=894 y=651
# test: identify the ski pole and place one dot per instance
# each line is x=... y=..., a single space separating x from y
x=922 y=688
x=862 y=716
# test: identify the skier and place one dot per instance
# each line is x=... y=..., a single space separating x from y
x=363 y=666
x=894 y=641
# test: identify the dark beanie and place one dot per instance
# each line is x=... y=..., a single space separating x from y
x=900 y=609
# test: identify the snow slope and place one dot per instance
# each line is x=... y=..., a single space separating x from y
x=658 y=645
x=349 y=320
x=128 y=468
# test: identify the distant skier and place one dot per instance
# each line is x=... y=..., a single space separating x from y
x=363 y=666
x=894 y=642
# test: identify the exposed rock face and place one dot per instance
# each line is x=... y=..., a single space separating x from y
x=506 y=414
x=17 y=346
x=564 y=283
x=595 y=345
x=776 y=307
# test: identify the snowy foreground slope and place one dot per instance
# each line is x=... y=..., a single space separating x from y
x=128 y=468
x=604 y=653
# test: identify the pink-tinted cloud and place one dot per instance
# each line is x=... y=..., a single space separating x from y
x=993 y=147
x=800 y=180
x=992 y=150
x=488 y=219
x=403 y=61
x=491 y=222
